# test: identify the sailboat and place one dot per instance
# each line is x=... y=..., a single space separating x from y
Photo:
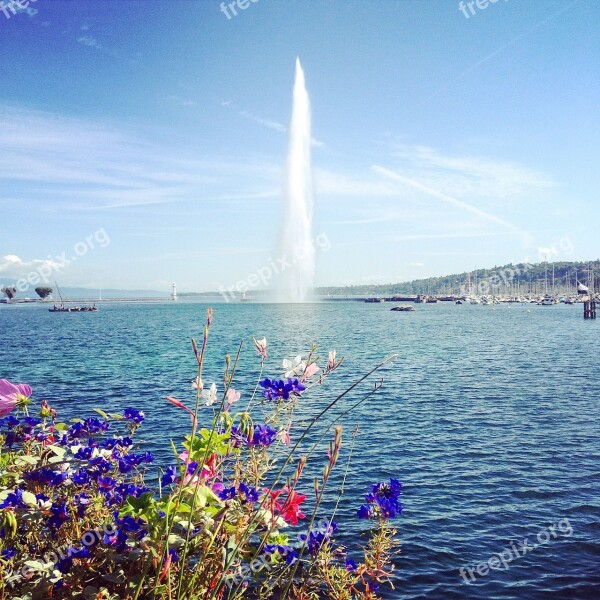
x=62 y=308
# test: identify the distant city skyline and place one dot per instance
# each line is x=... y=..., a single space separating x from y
x=144 y=143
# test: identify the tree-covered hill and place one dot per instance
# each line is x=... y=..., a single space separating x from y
x=512 y=278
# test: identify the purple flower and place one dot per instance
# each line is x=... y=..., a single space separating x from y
x=106 y=483
x=170 y=476
x=263 y=436
x=130 y=489
x=287 y=552
x=14 y=499
x=249 y=494
x=58 y=478
x=129 y=523
x=60 y=514
x=276 y=389
x=31 y=421
x=101 y=466
x=131 y=414
x=11 y=422
x=227 y=493
x=64 y=565
x=319 y=537
x=80 y=553
x=80 y=477
x=84 y=453
x=385 y=496
x=109 y=444
x=350 y=564
x=118 y=540
x=237 y=437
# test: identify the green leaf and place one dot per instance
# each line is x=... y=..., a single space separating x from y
x=101 y=413
x=175 y=541
x=144 y=506
x=57 y=450
x=206 y=443
x=205 y=496
x=35 y=565
x=27 y=459
x=29 y=499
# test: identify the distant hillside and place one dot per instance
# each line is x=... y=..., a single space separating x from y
x=80 y=293
x=511 y=278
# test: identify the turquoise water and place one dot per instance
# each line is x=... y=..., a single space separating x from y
x=490 y=418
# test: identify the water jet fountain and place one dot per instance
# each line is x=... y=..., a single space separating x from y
x=295 y=282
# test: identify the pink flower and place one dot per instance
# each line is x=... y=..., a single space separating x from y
x=290 y=509
x=261 y=347
x=232 y=396
x=180 y=404
x=11 y=394
x=284 y=436
x=310 y=371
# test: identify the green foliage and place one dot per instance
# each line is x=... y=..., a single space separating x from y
x=10 y=292
x=528 y=276
x=43 y=292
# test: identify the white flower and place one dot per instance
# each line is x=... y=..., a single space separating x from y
x=261 y=347
x=197 y=384
x=210 y=395
x=331 y=361
x=294 y=367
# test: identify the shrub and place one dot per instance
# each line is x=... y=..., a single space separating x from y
x=226 y=520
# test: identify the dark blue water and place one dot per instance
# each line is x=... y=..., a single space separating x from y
x=490 y=418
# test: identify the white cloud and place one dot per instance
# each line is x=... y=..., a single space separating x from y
x=15 y=267
x=91 y=42
x=62 y=163
x=469 y=175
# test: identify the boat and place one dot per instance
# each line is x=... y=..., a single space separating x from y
x=458 y=302
x=403 y=309
x=374 y=300
x=420 y=299
x=245 y=298
x=432 y=300
x=547 y=300
x=64 y=309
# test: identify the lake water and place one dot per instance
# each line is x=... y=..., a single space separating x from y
x=490 y=418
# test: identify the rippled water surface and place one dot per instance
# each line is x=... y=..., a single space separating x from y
x=490 y=418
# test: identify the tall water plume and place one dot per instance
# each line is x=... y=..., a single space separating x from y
x=296 y=280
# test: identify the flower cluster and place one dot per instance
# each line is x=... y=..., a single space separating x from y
x=260 y=435
x=80 y=516
x=275 y=390
x=382 y=501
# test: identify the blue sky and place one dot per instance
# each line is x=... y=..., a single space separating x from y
x=442 y=143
